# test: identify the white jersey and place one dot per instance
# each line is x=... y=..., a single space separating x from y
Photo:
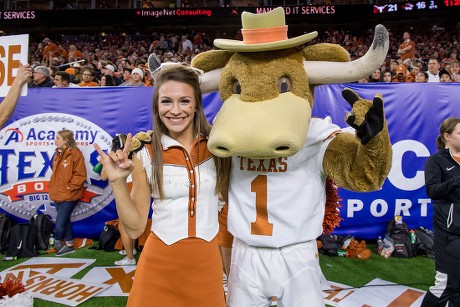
x=279 y=202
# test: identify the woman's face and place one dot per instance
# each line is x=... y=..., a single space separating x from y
x=176 y=107
x=103 y=81
x=376 y=74
x=387 y=77
x=420 y=77
x=453 y=139
x=59 y=141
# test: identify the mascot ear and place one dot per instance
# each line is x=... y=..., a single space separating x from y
x=350 y=96
x=374 y=118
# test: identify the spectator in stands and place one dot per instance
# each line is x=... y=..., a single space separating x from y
x=444 y=76
x=148 y=78
x=8 y=104
x=162 y=44
x=442 y=184
x=77 y=73
x=127 y=77
x=421 y=77
x=50 y=50
x=433 y=69
x=88 y=78
x=41 y=77
x=387 y=76
x=55 y=62
x=138 y=76
x=109 y=69
x=107 y=80
x=53 y=71
x=452 y=57
x=71 y=72
x=401 y=75
x=74 y=54
x=62 y=79
x=414 y=71
x=99 y=71
x=376 y=76
x=66 y=187
x=185 y=46
x=455 y=71
x=407 y=48
x=393 y=64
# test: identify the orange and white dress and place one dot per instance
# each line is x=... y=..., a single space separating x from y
x=180 y=264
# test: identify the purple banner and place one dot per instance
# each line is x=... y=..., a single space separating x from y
x=414 y=112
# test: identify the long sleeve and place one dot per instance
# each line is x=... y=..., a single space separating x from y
x=79 y=173
x=435 y=187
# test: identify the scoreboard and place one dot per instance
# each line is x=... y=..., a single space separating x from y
x=415 y=6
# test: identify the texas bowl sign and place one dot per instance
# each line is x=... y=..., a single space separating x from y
x=26 y=150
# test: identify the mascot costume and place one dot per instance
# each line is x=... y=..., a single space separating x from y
x=281 y=156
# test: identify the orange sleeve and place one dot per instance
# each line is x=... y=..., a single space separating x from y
x=224 y=237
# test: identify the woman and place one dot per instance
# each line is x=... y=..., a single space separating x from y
x=180 y=264
x=107 y=80
x=387 y=76
x=66 y=187
x=455 y=71
x=376 y=76
x=442 y=180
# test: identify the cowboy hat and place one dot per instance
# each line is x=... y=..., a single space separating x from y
x=264 y=32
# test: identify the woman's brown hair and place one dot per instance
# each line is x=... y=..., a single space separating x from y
x=67 y=135
x=201 y=126
x=447 y=126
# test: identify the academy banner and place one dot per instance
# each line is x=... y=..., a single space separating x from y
x=414 y=112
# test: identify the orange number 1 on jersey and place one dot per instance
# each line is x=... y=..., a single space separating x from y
x=261 y=226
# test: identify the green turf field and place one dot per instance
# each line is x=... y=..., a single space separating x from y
x=414 y=272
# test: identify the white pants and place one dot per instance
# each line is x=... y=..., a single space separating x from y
x=291 y=273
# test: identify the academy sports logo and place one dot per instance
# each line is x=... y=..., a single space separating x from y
x=26 y=155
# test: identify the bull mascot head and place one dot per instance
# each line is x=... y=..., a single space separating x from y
x=266 y=81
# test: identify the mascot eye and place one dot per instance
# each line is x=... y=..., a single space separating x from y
x=236 y=88
x=284 y=84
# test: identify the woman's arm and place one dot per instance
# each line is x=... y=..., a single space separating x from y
x=79 y=172
x=435 y=187
x=9 y=103
x=133 y=211
x=133 y=208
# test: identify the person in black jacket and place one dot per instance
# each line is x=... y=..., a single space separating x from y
x=42 y=77
x=442 y=181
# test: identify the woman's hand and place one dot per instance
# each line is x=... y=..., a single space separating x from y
x=116 y=165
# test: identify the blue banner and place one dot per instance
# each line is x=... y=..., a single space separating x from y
x=414 y=112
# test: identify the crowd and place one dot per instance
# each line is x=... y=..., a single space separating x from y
x=120 y=59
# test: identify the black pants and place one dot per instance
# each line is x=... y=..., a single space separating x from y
x=447 y=258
